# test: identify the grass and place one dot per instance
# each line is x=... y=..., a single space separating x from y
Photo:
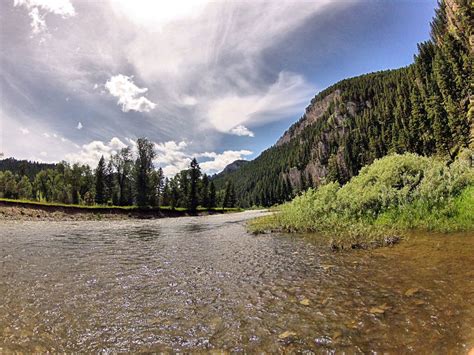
x=454 y=215
x=58 y=204
x=389 y=197
x=124 y=208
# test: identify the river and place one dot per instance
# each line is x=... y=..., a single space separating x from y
x=204 y=283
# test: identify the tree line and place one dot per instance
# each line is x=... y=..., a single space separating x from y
x=126 y=179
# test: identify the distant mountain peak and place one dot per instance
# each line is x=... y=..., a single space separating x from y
x=236 y=165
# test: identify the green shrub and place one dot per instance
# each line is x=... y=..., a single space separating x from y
x=394 y=193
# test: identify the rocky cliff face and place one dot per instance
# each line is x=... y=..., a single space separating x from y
x=314 y=112
x=234 y=166
x=330 y=110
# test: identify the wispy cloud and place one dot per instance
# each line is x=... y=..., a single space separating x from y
x=280 y=99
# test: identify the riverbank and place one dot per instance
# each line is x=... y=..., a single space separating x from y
x=387 y=199
x=37 y=211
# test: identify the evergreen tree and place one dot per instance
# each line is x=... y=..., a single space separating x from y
x=122 y=162
x=194 y=174
x=156 y=183
x=232 y=197
x=229 y=196
x=205 y=191
x=166 y=196
x=110 y=186
x=183 y=183
x=212 y=195
x=175 y=193
x=303 y=183
x=100 y=193
x=143 y=169
x=76 y=178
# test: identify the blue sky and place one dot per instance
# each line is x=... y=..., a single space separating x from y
x=219 y=80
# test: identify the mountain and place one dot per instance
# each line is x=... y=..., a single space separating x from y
x=425 y=108
x=234 y=166
x=24 y=167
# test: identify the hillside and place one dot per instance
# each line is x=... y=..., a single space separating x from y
x=425 y=108
x=24 y=167
x=230 y=168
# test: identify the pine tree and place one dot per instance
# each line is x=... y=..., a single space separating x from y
x=229 y=195
x=122 y=162
x=143 y=169
x=193 y=196
x=175 y=193
x=212 y=195
x=100 y=182
x=205 y=191
x=303 y=183
x=166 y=195
x=183 y=183
x=110 y=187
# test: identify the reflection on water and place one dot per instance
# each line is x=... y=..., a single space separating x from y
x=202 y=283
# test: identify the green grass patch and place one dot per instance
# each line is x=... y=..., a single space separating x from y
x=27 y=203
x=57 y=204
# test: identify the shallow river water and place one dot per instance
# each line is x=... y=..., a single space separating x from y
x=203 y=283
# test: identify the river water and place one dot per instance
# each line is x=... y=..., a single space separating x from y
x=203 y=283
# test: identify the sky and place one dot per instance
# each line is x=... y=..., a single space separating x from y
x=218 y=80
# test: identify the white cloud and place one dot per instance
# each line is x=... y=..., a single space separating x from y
x=116 y=144
x=38 y=24
x=37 y=10
x=283 y=98
x=90 y=153
x=79 y=125
x=128 y=94
x=189 y=101
x=58 y=7
x=24 y=130
x=43 y=154
x=46 y=135
x=241 y=130
x=156 y=14
x=171 y=157
x=220 y=161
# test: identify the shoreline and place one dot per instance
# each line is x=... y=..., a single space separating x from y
x=34 y=211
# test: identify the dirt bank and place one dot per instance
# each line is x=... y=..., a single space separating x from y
x=25 y=211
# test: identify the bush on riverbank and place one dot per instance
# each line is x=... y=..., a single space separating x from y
x=395 y=193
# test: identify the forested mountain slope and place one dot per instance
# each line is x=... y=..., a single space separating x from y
x=24 y=167
x=425 y=108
